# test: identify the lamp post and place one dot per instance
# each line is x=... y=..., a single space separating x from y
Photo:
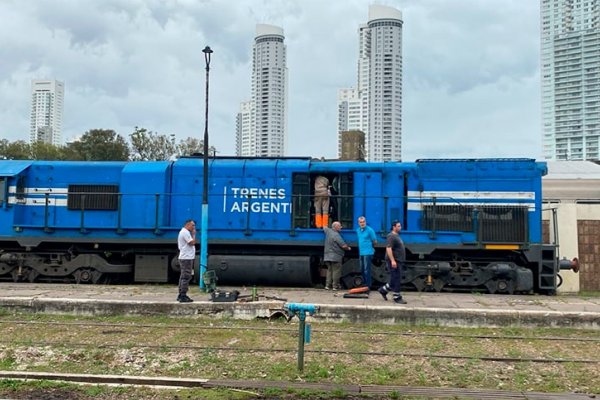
x=204 y=227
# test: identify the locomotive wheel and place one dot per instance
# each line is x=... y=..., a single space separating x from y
x=23 y=274
x=379 y=273
x=419 y=284
x=352 y=280
x=87 y=275
x=500 y=286
x=358 y=281
x=438 y=285
x=175 y=265
x=491 y=286
x=32 y=275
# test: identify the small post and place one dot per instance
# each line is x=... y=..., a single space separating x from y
x=300 y=310
x=301 y=327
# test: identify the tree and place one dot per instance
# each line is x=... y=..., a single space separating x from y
x=147 y=145
x=98 y=145
x=46 y=151
x=19 y=150
x=3 y=147
x=190 y=146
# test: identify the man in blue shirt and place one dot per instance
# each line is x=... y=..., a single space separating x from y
x=366 y=248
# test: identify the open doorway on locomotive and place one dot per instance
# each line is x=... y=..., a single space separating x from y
x=341 y=198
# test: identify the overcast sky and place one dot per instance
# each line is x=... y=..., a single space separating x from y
x=471 y=69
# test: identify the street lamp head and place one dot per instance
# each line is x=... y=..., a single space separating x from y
x=207 y=52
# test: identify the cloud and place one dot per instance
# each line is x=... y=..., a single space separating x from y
x=471 y=80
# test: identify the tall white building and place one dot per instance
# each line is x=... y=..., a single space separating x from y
x=47 y=105
x=379 y=86
x=245 y=140
x=570 y=62
x=262 y=122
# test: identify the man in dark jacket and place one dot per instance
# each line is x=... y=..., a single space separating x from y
x=333 y=255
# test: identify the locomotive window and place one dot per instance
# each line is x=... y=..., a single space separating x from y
x=97 y=197
x=20 y=195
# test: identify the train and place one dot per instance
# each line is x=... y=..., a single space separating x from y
x=468 y=224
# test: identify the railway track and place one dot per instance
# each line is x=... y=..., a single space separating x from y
x=349 y=390
x=254 y=350
x=294 y=330
x=225 y=341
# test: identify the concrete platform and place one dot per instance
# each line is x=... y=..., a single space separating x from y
x=444 y=309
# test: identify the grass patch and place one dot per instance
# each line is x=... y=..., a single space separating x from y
x=202 y=347
x=589 y=293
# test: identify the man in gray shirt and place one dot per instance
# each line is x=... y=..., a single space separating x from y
x=333 y=255
x=395 y=256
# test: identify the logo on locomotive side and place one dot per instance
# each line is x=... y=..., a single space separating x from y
x=256 y=200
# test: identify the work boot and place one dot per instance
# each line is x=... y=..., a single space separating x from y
x=399 y=300
x=383 y=293
x=318 y=221
x=184 y=299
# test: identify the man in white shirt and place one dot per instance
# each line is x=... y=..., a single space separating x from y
x=187 y=251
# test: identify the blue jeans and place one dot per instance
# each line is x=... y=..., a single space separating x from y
x=365 y=267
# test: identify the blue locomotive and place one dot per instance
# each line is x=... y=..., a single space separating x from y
x=471 y=224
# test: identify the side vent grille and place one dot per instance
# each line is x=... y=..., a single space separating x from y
x=97 y=197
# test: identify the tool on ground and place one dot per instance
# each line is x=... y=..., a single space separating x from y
x=357 y=293
x=220 y=296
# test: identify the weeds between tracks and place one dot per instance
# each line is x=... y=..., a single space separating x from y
x=505 y=358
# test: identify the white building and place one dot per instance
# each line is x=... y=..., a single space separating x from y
x=263 y=133
x=570 y=62
x=245 y=139
x=47 y=104
x=379 y=85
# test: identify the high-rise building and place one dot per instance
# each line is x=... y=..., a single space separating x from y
x=245 y=140
x=262 y=122
x=352 y=146
x=47 y=104
x=570 y=62
x=350 y=114
x=379 y=86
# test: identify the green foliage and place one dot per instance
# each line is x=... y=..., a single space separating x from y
x=45 y=151
x=98 y=145
x=191 y=146
x=8 y=361
x=93 y=391
x=18 y=150
x=107 y=145
x=147 y=145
